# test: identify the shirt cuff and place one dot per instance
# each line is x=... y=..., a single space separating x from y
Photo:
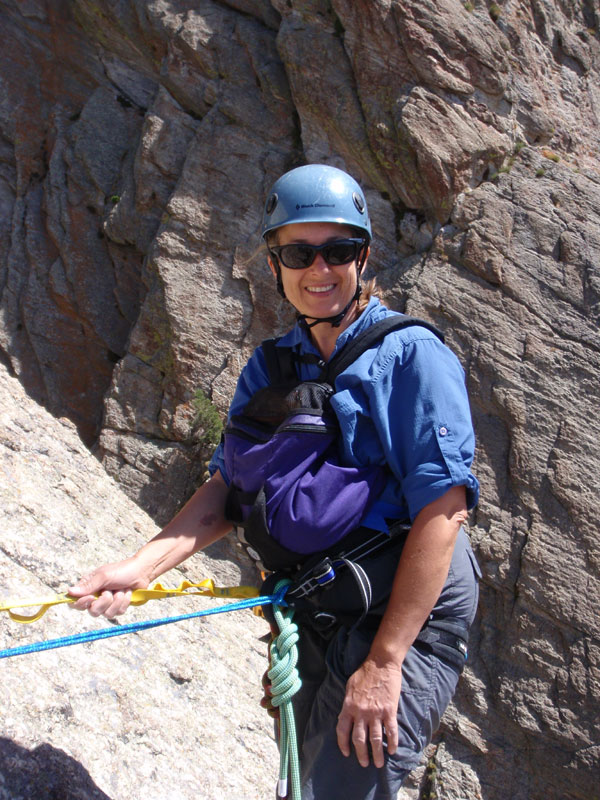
x=433 y=479
x=217 y=462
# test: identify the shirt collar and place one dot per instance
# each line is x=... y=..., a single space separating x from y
x=299 y=335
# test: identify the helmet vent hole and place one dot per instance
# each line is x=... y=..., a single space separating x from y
x=358 y=202
x=271 y=203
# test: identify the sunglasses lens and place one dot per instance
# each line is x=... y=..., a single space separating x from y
x=339 y=253
x=297 y=256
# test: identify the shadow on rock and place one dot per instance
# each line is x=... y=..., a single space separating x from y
x=45 y=773
x=227 y=549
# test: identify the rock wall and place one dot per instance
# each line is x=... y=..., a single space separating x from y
x=137 y=141
x=116 y=718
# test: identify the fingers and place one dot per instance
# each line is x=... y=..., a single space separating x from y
x=343 y=730
x=119 y=605
x=376 y=742
x=370 y=731
x=107 y=590
x=359 y=740
x=109 y=604
x=367 y=739
x=391 y=733
x=369 y=742
x=88 y=585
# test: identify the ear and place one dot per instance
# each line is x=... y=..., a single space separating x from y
x=363 y=258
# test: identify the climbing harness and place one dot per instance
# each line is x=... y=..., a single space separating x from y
x=285 y=681
x=346 y=585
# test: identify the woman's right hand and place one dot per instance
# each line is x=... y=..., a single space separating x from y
x=107 y=590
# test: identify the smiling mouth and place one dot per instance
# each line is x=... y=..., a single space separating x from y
x=319 y=289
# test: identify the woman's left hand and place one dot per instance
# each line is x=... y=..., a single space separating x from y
x=369 y=712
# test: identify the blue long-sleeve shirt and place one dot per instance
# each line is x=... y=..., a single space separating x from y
x=402 y=404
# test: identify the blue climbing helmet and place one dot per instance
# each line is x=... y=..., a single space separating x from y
x=318 y=193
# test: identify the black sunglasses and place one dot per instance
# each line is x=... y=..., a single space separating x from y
x=301 y=256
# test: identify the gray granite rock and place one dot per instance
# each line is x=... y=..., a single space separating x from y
x=522 y=311
x=168 y=712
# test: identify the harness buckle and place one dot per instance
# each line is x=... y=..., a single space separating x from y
x=320 y=575
x=326 y=575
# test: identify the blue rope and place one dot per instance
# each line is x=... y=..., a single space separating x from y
x=133 y=627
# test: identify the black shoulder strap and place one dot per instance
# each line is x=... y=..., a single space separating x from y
x=281 y=362
x=356 y=347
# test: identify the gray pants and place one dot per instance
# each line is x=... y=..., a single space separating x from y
x=428 y=684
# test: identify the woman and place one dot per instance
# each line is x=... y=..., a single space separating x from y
x=372 y=693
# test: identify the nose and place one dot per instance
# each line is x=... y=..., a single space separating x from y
x=319 y=262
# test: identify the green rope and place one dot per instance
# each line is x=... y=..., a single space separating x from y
x=285 y=682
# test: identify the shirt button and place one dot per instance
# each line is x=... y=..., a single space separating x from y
x=443 y=430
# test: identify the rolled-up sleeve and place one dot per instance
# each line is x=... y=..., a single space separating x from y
x=419 y=406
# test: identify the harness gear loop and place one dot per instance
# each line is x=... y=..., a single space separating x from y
x=285 y=682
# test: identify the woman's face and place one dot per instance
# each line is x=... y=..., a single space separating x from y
x=319 y=290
